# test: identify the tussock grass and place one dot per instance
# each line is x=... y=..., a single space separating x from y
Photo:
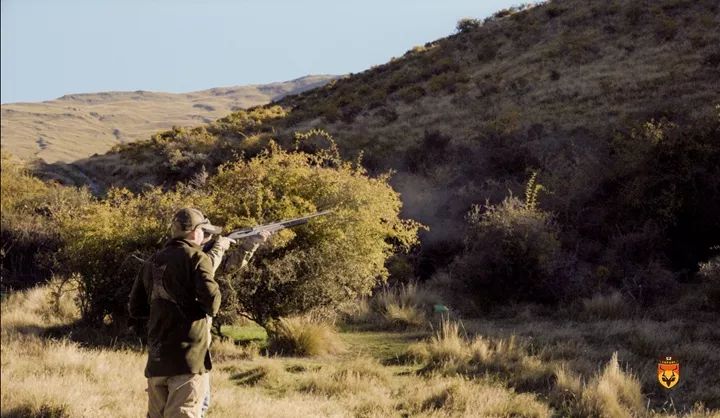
x=36 y=309
x=401 y=308
x=450 y=352
x=266 y=373
x=302 y=337
x=613 y=393
x=61 y=376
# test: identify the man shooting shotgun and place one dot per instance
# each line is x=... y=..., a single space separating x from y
x=177 y=293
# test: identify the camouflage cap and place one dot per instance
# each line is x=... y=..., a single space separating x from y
x=187 y=219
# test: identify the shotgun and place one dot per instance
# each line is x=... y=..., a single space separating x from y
x=271 y=227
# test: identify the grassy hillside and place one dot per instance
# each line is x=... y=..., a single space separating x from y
x=79 y=125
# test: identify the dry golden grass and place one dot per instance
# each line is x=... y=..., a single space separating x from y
x=451 y=352
x=480 y=372
x=613 y=393
x=47 y=377
x=461 y=397
x=303 y=337
x=59 y=378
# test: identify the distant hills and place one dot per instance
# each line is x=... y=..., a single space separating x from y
x=78 y=125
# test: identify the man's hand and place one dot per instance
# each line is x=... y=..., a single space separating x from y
x=259 y=238
x=224 y=242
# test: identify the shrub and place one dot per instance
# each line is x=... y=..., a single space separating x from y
x=665 y=174
x=447 y=81
x=610 y=306
x=301 y=337
x=388 y=115
x=511 y=253
x=306 y=268
x=320 y=264
x=665 y=27
x=250 y=119
x=29 y=235
x=552 y=11
x=411 y=93
x=467 y=24
x=503 y=13
x=710 y=274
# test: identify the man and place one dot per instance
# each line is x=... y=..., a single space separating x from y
x=177 y=293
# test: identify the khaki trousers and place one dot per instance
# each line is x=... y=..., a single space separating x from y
x=177 y=396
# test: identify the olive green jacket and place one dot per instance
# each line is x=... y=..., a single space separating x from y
x=176 y=291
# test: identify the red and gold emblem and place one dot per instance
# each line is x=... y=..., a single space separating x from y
x=668 y=372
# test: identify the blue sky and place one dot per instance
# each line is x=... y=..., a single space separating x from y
x=54 y=47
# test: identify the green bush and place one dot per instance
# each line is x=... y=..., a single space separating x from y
x=512 y=253
x=30 y=238
x=320 y=264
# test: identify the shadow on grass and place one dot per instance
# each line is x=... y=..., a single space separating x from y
x=249 y=377
x=114 y=337
x=45 y=411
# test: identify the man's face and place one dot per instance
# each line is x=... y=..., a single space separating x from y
x=199 y=236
